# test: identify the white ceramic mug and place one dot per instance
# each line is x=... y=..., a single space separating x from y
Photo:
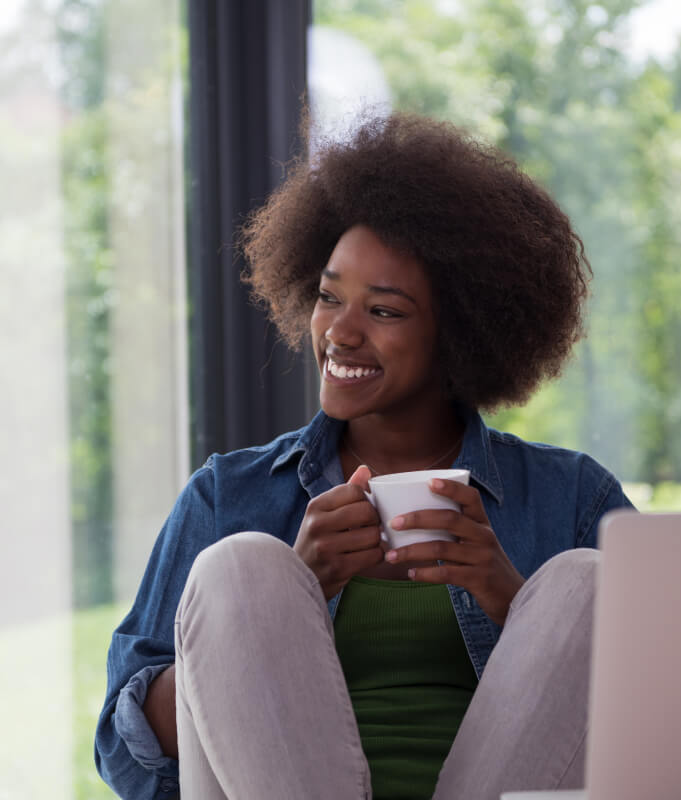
x=402 y=492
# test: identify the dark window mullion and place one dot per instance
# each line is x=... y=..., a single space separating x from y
x=247 y=72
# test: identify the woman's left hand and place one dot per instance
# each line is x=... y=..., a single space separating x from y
x=476 y=561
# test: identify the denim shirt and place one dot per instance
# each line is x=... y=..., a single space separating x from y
x=540 y=501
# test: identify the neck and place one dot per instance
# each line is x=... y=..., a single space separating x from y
x=392 y=445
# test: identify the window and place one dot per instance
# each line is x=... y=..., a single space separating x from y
x=588 y=100
x=94 y=402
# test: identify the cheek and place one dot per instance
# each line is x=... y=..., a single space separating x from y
x=422 y=354
x=317 y=326
x=419 y=343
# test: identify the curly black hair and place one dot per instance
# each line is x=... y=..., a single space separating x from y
x=508 y=272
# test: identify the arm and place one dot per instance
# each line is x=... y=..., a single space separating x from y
x=129 y=756
x=607 y=496
x=159 y=709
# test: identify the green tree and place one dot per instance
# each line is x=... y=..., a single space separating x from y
x=552 y=84
x=90 y=293
x=657 y=281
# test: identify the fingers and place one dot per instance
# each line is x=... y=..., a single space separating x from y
x=360 y=477
x=354 y=515
x=339 y=534
x=493 y=587
x=359 y=539
x=468 y=497
x=339 y=496
x=335 y=574
x=456 y=522
x=331 y=545
x=454 y=574
x=342 y=508
x=465 y=524
x=353 y=563
x=452 y=552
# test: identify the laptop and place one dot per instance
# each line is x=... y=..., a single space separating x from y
x=634 y=738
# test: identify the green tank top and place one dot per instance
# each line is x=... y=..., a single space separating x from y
x=410 y=680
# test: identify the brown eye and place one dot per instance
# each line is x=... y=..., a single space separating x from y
x=386 y=313
x=325 y=297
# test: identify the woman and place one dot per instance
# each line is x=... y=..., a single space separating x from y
x=434 y=280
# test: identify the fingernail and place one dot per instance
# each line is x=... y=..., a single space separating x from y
x=398 y=522
x=437 y=483
x=391 y=555
x=411 y=573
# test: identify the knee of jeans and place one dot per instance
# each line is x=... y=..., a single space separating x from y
x=238 y=555
x=580 y=561
x=570 y=574
x=580 y=565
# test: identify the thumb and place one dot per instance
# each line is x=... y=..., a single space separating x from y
x=360 y=477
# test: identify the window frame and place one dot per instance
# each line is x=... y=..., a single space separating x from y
x=247 y=75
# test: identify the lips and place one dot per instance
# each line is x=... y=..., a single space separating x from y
x=348 y=372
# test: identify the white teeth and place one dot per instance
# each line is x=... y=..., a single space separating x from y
x=341 y=371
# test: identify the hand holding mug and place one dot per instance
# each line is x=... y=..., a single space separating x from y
x=340 y=534
x=473 y=558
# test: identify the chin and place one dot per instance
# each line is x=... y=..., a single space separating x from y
x=339 y=410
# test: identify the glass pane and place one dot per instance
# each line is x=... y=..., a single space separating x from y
x=94 y=443
x=588 y=99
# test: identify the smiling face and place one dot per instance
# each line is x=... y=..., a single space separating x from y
x=374 y=331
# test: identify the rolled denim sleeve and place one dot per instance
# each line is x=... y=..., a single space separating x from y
x=131 y=723
x=127 y=753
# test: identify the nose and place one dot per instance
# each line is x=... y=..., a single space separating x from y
x=346 y=329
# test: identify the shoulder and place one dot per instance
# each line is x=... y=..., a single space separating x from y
x=259 y=459
x=280 y=460
x=230 y=481
x=546 y=458
x=558 y=479
x=259 y=488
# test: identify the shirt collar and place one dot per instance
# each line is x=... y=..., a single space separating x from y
x=476 y=454
x=318 y=442
x=315 y=446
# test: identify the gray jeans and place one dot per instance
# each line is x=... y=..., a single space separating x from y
x=263 y=710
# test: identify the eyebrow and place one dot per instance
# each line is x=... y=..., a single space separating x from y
x=334 y=276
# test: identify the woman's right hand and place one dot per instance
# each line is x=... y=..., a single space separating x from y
x=340 y=534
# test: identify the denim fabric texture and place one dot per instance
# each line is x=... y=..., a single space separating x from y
x=540 y=500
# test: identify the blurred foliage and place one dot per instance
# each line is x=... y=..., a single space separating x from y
x=89 y=292
x=56 y=65
x=91 y=636
x=107 y=90
x=552 y=83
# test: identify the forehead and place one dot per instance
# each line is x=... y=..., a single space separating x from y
x=361 y=255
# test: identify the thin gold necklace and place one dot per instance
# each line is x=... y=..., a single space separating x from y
x=437 y=460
